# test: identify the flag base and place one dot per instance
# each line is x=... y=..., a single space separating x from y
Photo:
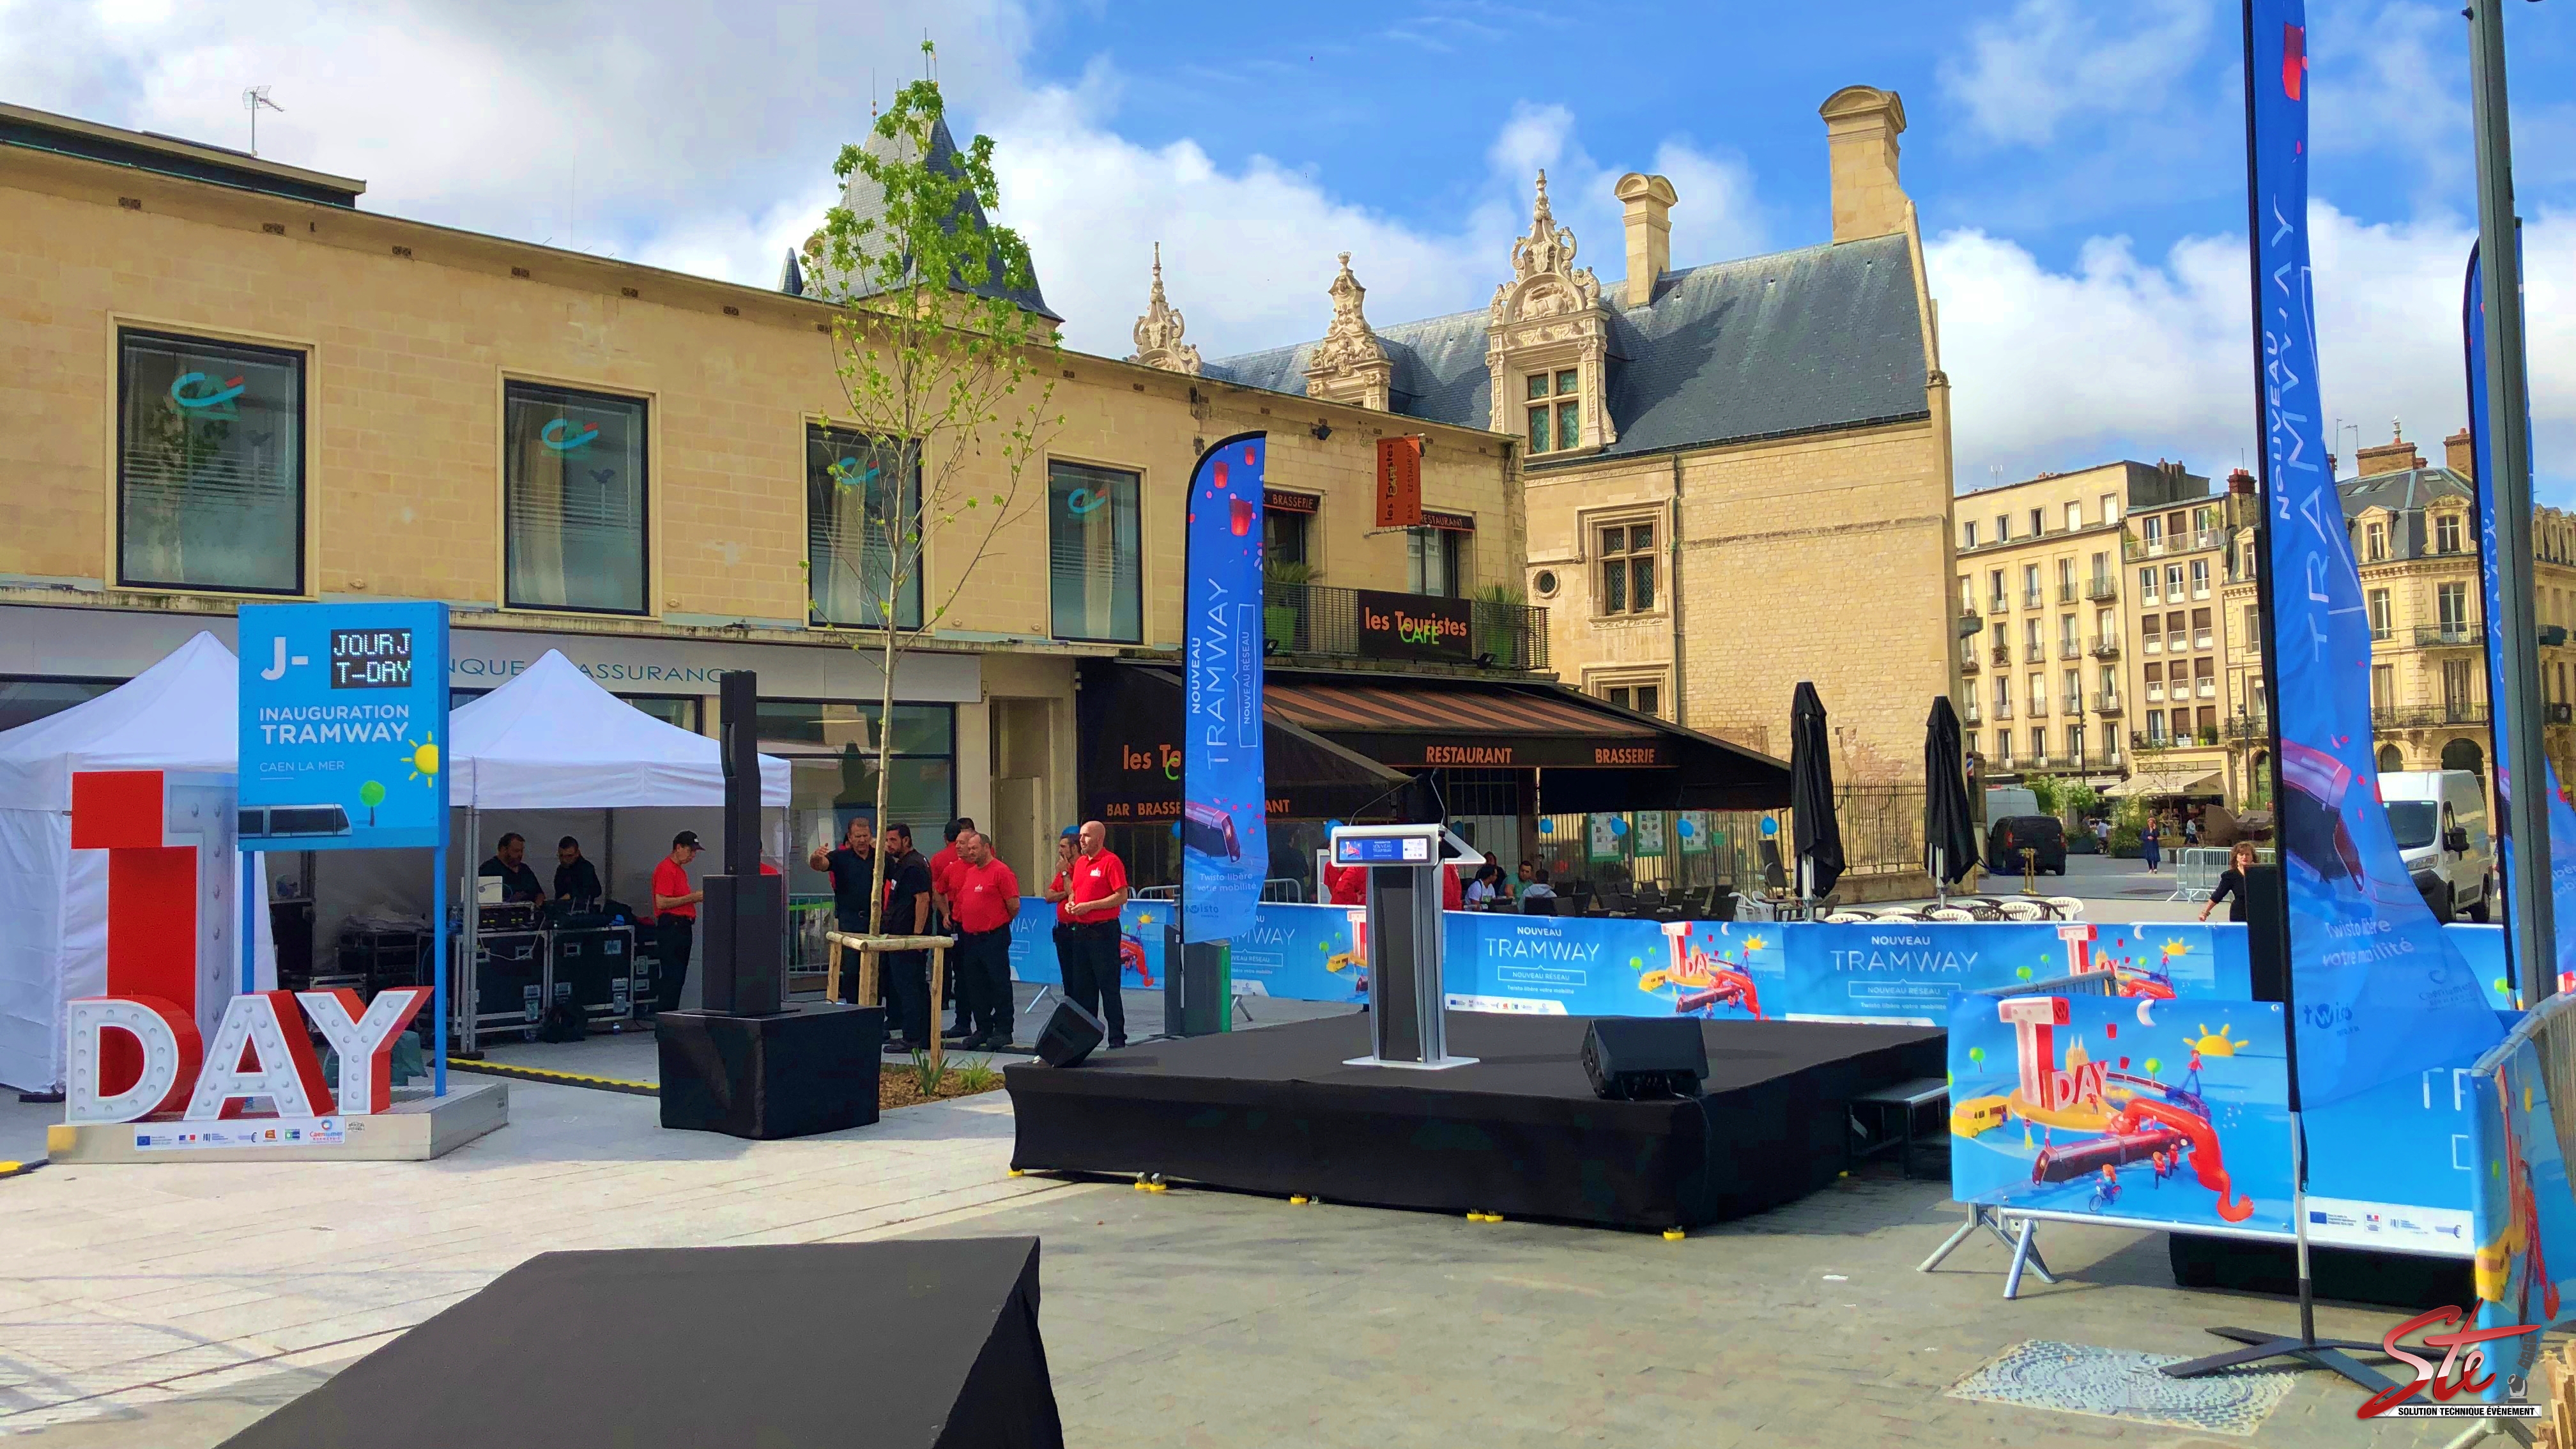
x=2331 y=1353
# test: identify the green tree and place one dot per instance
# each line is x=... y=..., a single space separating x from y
x=2046 y=791
x=945 y=366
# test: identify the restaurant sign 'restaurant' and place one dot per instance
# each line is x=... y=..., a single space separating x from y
x=1415 y=626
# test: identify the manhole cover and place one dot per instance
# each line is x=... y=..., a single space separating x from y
x=2115 y=1383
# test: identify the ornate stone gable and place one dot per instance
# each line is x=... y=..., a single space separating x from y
x=1548 y=318
x=1350 y=365
x=1158 y=332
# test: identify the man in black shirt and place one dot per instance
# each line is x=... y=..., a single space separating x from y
x=576 y=879
x=510 y=862
x=853 y=868
x=907 y=973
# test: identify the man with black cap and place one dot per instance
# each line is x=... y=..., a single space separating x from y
x=675 y=918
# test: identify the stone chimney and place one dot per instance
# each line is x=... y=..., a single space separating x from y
x=1649 y=200
x=1861 y=127
x=2394 y=457
x=2242 y=482
x=2460 y=455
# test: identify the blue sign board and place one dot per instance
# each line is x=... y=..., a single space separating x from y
x=343 y=725
x=1224 y=824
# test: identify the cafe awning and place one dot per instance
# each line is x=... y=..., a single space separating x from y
x=1590 y=755
x=1129 y=719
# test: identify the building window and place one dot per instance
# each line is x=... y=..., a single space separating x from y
x=2030 y=586
x=2039 y=745
x=1968 y=534
x=2038 y=695
x=1095 y=584
x=2374 y=542
x=2200 y=578
x=210 y=465
x=1628 y=568
x=2379 y=626
x=1283 y=537
x=2446 y=533
x=1643 y=698
x=27 y=699
x=2173 y=583
x=2032 y=652
x=2003 y=528
x=850 y=551
x=921 y=779
x=2110 y=508
x=2038 y=522
x=1555 y=413
x=2074 y=516
x=2155 y=529
x=2200 y=628
x=574 y=488
x=1435 y=561
x=1996 y=580
x=2147 y=586
x=2453 y=601
x=2154 y=675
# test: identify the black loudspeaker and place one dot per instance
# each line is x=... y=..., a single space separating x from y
x=2267 y=937
x=1069 y=1036
x=1630 y=1057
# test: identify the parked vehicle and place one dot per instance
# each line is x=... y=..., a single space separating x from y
x=2005 y=801
x=2440 y=820
x=2040 y=835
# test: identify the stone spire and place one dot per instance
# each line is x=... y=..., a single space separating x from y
x=1350 y=365
x=1546 y=320
x=1158 y=332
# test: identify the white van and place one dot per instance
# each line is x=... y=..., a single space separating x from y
x=2440 y=820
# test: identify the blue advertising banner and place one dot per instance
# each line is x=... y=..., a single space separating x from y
x=1140 y=944
x=2365 y=952
x=1306 y=953
x=1225 y=830
x=1577 y=966
x=1905 y=971
x=2523 y=1212
x=2129 y=1110
x=343 y=725
x=2562 y=819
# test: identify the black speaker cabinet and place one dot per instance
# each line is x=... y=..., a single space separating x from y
x=1629 y=1057
x=2267 y=935
x=1070 y=1035
x=811 y=1069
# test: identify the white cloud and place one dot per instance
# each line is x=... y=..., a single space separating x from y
x=2120 y=356
x=2055 y=59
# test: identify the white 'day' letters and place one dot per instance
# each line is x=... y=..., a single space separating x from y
x=363 y=1040
x=169 y=1046
x=284 y=1068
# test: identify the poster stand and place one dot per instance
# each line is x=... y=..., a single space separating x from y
x=2024 y=1246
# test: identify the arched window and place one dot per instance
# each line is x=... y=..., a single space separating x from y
x=2464 y=754
x=2391 y=758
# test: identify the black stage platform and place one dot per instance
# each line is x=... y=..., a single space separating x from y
x=1519 y=1133
x=926 y=1344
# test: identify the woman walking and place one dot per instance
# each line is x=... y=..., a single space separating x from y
x=2151 y=844
x=2231 y=884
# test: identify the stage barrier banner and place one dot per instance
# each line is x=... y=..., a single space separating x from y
x=1140 y=944
x=2523 y=1214
x=1306 y=953
x=2143 y=1111
x=2365 y=951
x=2562 y=819
x=1904 y=972
x=1225 y=830
x=1578 y=966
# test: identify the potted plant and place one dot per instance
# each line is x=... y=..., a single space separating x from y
x=1497 y=632
x=1284 y=603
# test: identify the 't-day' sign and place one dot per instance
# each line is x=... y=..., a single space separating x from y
x=344 y=725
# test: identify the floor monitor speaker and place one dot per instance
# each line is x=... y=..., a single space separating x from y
x=1633 y=1057
x=1070 y=1035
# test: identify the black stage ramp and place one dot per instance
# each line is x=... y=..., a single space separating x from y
x=928 y=1343
x=1519 y=1133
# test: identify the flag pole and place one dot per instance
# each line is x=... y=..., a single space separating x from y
x=2273 y=884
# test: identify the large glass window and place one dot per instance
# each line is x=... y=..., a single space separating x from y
x=25 y=701
x=210 y=465
x=1627 y=569
x=574 y=490
x=835 y=743
x=1436 y=562
x=1095 y=582
x=851 y=537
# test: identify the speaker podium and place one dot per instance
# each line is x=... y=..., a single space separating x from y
x=1408 y=1010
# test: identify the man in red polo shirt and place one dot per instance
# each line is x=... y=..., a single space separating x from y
x=1348 y=883
x=675 y=919
x=1097 y=892
x=942 y=922
x=985 y=897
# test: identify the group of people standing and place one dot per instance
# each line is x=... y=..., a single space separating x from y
x=965 y=891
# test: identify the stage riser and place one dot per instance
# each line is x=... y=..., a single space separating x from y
x=1406 y=1141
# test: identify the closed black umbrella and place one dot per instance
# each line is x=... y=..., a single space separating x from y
x=1949 y=835
x=1816 y=835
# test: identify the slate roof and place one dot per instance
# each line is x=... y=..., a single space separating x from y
x=866 y=200
x=2405 y=495
x=1771 y=346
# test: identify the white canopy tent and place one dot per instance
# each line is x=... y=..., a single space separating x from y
x=176 y=717
x=552 y=739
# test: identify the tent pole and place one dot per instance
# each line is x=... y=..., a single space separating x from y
x=252 y=890
x=438 y=976
x=473 y=938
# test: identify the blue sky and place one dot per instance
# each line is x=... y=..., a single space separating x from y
x=2077 y=164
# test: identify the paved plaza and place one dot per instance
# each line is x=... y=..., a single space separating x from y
x=168 y=1306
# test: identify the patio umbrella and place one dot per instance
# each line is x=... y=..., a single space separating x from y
x=1949 y=835
x=1817 y=838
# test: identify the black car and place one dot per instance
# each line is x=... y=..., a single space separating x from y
x=2042 y=835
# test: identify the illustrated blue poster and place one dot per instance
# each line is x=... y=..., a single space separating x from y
x=2523 y=1211
x=1140 y=944
x=343 y=725
x=1307 y=953
x=2562 y=819
x=2365 y=951
x=1225 y=831
x=2172 y=1114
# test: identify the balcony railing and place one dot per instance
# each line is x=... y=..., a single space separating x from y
x=2180 y=543
x=2066 y=591
x=2106 y=647
x=2000 y=654
x=2034 y=653
x=1317 y=620
x=2003 y=709
x=2107 y=704
x=2428 y=716
x=1971 y=624
x=1999 y=604
x=2176 y=643
x=1974 y=714
x=1970 y=661
x=2031 y=598
x=2444 y=636
x=2102 y=589
x=2070 y=648
x=2249 y=729
x=2151 y=644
